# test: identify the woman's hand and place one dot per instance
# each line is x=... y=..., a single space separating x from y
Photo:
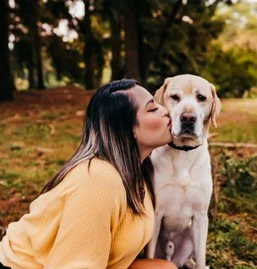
x=152 y=264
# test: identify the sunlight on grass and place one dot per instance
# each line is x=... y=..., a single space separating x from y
x=246 y=106
x=237 y=122
x=237 y=132
x=30 y=133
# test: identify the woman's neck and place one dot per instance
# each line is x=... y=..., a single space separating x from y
x=144 y=154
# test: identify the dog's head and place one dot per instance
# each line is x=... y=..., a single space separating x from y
x=192 y=103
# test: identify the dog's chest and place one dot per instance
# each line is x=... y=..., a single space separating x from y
x=179 y=203
x=183 y=186
x=181 y=178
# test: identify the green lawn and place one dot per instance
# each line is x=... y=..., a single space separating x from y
x=237 y=121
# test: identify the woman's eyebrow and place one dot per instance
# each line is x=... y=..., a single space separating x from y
x=150 y=101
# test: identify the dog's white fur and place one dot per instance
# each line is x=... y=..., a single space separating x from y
x=183 y=181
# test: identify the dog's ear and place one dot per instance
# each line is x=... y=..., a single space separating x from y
x=159 y=94
x=216 y=106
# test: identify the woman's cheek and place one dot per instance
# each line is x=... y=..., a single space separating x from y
x=154 y=124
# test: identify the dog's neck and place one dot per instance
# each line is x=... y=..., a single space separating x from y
x=184 y=148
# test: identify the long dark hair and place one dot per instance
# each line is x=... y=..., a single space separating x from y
x=108 y=135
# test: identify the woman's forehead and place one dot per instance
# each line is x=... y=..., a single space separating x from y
x=140 y=95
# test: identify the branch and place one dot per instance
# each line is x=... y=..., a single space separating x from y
x=165 y=28
x=232 y=145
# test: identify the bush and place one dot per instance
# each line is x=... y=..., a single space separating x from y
x=239 y=175
x=234 y=72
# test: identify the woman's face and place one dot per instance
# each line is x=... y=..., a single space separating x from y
x=154 y=123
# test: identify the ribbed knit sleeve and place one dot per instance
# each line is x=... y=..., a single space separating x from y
x=91 y=216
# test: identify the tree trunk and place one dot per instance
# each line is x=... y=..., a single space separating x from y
x=164 y=34
x=6 y=81
x=132 y=61
x=40 y=80
x=37 y=39
x=32 y=79
x=116 y=48
x=140 y=40
x=88 y=48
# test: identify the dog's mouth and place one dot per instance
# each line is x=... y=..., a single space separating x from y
x=184 y=147
x=185 y=140
x=186 y=133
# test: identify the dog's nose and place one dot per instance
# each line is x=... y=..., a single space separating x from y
x=188 y=118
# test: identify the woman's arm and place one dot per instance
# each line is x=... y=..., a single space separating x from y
x=152 y=264
x=89 y=218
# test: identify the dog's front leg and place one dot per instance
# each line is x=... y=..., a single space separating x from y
x=151 y=246
x=200 y=230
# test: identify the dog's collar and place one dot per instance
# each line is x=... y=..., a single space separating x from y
x=185 y=148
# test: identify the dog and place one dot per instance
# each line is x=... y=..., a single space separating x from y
x=182 y=180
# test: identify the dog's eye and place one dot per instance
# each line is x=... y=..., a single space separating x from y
x=175 y=97
x=201 y=98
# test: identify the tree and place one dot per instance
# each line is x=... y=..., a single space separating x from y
x=28 y=48
x=147 y=40
x=232 y=71
x=24 y=56
x=176 y=37
x=88 y=46
x=132 y=62
x=162 y=38
x=66 y=56
x=113 y=14
x=37 y=41
x=90 y=41
x=6 y=81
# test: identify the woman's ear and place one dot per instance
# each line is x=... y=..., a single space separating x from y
x=159 y=94
x=216 y=106
x=134 y=133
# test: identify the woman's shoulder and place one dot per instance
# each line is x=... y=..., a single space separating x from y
x=97 y=178
x=95 y=171
x=95 y=167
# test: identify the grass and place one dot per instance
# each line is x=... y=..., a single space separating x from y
x=237 y=121
x=232 y=240
x=33 y=147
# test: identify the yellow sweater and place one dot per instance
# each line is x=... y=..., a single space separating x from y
x=83 y=223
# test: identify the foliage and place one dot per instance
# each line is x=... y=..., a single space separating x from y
x=232 y=59
x=233 y=71
x=229 y=246
x=147 y=40
x=240 y=27
x=186 y=42
x=230 y=240
x=240 y=176
x=170 y=37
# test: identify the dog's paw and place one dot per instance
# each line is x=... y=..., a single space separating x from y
x=190 y=264
x=169 y=250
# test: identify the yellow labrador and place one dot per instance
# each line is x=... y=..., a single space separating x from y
x=183 y=182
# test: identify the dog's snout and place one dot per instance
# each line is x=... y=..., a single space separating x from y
x=188 y=118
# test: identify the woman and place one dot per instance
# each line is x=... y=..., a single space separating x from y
x=97 y=211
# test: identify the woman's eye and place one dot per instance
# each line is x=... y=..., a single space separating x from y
x=175 y=97
x=153 y=109
x=201 y=98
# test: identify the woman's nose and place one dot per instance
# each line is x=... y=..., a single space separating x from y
x=165 y=111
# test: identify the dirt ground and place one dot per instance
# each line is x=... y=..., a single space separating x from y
x=30 y=103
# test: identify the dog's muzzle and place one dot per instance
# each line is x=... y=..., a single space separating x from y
x=188 y=120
